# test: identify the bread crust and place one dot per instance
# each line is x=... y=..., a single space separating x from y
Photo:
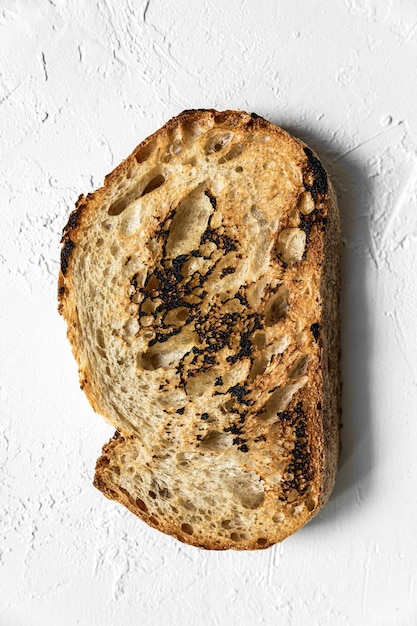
x=313 y=410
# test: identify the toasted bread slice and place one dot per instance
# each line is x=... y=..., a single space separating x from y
x=200 y=285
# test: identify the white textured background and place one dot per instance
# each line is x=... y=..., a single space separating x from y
x=81 y=83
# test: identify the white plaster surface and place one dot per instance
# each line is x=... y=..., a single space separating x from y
x=81 y=83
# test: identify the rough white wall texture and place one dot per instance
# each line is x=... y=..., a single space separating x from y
x=81 y=83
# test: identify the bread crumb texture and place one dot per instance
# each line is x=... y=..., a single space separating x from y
x=200 y=285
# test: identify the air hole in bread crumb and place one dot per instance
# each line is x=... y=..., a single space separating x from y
x=141 y=505
x=233 y=153
x=176 y=147
x=215 y=441
x=259 y=340
x=259 y=366
x=187 y=504
x=153 y=521
x=144 y=152
x=262 y=541
x=153 y=184
x=117 y=207
x=100 y=338
x=248 y=489
x=292 y=495
x=227 y=524
x=311 y=504
x=277 y=307
x=239 y=536
x=152 y=283
x=176 y=316
x=278 y=517
x=300 y=367
x=187 y=528
x=239 y=169
x=152 y=494
x=217 y=141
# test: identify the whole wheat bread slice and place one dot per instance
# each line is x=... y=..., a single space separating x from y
x=200 y=285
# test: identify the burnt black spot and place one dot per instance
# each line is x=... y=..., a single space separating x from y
x=318 y=173
x=318 y=406
x=163 y=233
x=234 y=429
x=245 y=345
x=199 y=437
x=210 y=360
x=241 y=299
x=219 y=381
x=244 y=341
x=238 y=391
x=216 y=333
x=181 y=411
x=224 y=242
x=61 y=291
x=307 y=221
x=260 y=438
x=66 y=252
x=315 y=329
x=162 y=337
x=212 y=199
x=227 y=270
x=284 y=415
x=299 y=465
x=243 y=448
x=205 y=416
x=73 y=219
x=191 y=111
x=134 y=283
x=177 y=265
x=180 y=371
x=255 y=116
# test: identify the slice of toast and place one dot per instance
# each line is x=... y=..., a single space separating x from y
x=200 y=285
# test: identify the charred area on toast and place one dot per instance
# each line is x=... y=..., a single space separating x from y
x=315 y=177
x=315 y=329
x=168 y=288
x=74 y=218
x=66 y=252
x=245 y=344
x=308 y=221
x=68 y=244
x=299 y=465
